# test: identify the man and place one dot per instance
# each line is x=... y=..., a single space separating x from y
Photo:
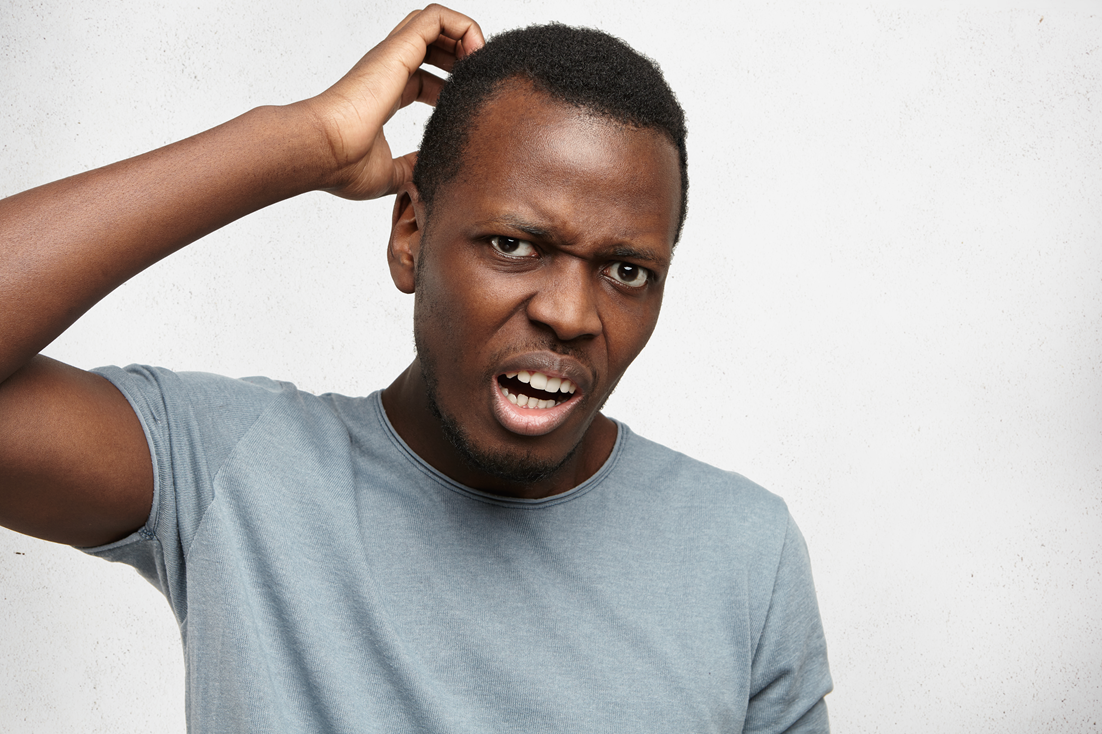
x=475 y=548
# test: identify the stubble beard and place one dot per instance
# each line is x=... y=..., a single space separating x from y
x=512 y=467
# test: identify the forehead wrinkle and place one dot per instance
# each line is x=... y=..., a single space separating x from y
x=645 y=255
x=539 y=167
x=523 y=225
x=544 y=234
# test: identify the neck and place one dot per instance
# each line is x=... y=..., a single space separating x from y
x=407 y=405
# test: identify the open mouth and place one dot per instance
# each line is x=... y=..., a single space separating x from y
x=535 y=390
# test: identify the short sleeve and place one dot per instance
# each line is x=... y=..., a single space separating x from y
x=192 y=422
x=789 y=673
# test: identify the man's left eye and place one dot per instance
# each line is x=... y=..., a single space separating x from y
x=628 y=274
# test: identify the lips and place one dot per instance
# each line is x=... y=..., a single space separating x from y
x=536 y=394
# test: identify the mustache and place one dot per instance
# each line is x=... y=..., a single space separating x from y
x=578 y=365
x=544 y=345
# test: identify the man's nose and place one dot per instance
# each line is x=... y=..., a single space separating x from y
x=567 y=300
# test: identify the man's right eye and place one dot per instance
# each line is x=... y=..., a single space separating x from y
x=512 y=247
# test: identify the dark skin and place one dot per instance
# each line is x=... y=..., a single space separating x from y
x=74 y=463
x=585 y=207
x=548 y=251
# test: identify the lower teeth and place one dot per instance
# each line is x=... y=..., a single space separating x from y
x=525 y=402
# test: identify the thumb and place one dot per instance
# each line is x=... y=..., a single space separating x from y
x=403 y=171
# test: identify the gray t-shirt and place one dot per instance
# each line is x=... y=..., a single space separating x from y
x=326 y=579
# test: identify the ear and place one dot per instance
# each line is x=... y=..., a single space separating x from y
x=406 y=226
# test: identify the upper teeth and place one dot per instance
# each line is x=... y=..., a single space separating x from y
x=539 y=381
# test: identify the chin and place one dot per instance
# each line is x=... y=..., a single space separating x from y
x=515 y=467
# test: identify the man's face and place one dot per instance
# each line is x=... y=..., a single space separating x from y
x=539 y=279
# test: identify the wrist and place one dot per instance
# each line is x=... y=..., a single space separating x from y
x=297 y=154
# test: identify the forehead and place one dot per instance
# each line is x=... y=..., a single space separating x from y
x=533 y=157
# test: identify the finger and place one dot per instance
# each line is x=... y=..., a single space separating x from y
x=457 y=26
x=402 y=172
x=447 y=38
x=405 y=21
x=440 y=57
x=439 y=28
x=445 y=44
x=423 y=86
x=471 y=41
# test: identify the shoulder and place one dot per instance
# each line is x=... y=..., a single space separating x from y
x=680 y=481
x=725 y=519
x=195 y=387
x=728 y=523
x=218 y=412
x=208 y=391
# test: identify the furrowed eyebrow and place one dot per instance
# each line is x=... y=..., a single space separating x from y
x=528 y=228
x=619 y=251
x=636 y=254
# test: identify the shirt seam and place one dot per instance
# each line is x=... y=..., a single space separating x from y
x=451 y=485
x=214 y=477
x=772 y=595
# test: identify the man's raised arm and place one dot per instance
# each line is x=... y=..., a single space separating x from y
x=74 y=465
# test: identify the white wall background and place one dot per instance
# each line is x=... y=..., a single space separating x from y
x=887 y=307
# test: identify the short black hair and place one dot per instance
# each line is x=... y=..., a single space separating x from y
x=583 y=67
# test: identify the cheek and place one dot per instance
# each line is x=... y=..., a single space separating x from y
x=438 y=300
x=450 y=284
x=431 y=310
x=628 y=329
x=453 y=314
x=434 y=327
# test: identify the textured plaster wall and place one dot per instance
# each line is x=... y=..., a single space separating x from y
x=887 y=308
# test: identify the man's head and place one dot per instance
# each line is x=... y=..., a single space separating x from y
x=581 y=67
x=538 y=249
